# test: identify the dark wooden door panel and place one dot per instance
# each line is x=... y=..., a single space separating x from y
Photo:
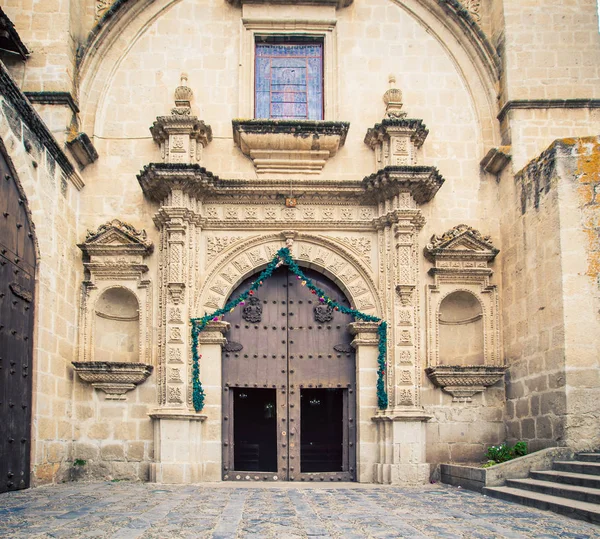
x=17 y=285
x=285 y=339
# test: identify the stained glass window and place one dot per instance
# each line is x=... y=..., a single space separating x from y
x=289 y=81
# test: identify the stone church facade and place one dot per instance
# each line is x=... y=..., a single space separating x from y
x=430 y=163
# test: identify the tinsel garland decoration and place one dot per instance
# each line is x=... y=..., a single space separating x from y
x=284 y=257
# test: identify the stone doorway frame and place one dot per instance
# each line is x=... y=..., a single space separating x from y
x=188 y=446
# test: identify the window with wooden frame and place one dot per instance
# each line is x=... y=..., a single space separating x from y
x=289 y=78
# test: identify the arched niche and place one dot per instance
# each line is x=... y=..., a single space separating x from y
x=115 y=352
x=463 y=333
x=460 y=321
x=117 y=327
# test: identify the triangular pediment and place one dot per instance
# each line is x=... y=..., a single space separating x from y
x=463 y=240
x=117 y=236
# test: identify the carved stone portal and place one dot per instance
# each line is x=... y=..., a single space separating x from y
x=463 y=334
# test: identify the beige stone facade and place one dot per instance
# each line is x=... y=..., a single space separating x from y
x=452 y=190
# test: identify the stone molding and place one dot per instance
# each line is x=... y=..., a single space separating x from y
x=536 y=104
x=289 y=146
x=54 y=98
x=496 y=159
x=181 y=415
x=461 y=243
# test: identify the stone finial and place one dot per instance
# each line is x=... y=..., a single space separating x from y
x=393 y=100
x=181 y=136
x=183 y=97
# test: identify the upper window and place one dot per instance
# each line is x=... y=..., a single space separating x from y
x=289 y=79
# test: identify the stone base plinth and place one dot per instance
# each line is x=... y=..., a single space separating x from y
x=177 y=447
x=401 y=441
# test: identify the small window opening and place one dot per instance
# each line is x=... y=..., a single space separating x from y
x=289 y=77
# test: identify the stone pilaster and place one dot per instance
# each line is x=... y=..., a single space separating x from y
x=366 y=344
x=398 y=188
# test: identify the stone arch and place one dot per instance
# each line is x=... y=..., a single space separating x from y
x=318 y=252
x=462 y=39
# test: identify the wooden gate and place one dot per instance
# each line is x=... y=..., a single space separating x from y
x=17 y=279
x=289 y=385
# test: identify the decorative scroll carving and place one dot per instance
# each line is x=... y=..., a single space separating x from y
x=323 y=313
x=252 y=311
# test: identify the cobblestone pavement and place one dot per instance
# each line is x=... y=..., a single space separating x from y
x=148 y=511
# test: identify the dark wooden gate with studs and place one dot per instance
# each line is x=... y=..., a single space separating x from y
x=289 y=385
x=17 y=281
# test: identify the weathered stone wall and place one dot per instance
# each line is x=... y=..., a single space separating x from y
x=114 y=438
x=550 y=240
x=53 y=200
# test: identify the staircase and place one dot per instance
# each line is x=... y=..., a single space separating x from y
x=571 y=488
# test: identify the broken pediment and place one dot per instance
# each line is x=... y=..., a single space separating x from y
x=116 y=238
x=461 y=243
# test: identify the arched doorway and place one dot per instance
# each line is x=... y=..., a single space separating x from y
x=289 y=385
x=17 y=286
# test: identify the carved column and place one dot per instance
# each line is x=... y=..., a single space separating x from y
x=399 y=187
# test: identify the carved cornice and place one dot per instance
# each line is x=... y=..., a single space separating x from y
x=421 y=182
x=416 y=128
x=164 y=126
x=116 y=238
x=158 y=180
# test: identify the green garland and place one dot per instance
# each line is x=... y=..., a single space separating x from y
x=284 y=256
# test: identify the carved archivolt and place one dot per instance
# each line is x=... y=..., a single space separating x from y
x=321 y=253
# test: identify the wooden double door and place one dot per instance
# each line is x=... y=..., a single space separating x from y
x=289 y=385
x=17 y=286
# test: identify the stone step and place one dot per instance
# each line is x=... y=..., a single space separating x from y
x=588 y=457
x=575 y=466
x=573 y=492
x=589 y=512
x=568 y=478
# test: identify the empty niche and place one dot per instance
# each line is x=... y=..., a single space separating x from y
x=117 y=327
x=461 y=330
